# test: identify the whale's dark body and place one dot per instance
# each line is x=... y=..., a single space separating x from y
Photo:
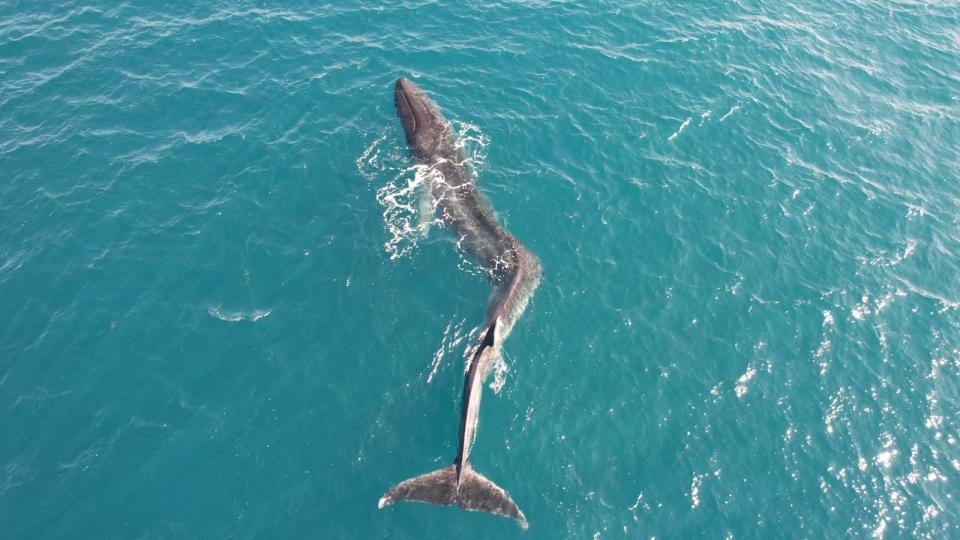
x=514 y=271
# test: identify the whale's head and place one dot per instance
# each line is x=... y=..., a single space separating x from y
x=423 y=124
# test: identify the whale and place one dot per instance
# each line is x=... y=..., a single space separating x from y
x=513 y=271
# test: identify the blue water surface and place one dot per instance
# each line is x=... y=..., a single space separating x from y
x=219 y=318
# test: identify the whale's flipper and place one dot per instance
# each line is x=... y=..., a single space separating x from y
x=473 y=492
x=426 y=208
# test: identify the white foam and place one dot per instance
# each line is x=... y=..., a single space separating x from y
x=695 y=490
x=728 y=113
x=884 y=459
x=400 y=216
x=237 y=316
x=682 y=127
x=741 y=388
x=472 y=142
x=500 y=370
x=825 y=342
x=407 y=209
x=862 y=309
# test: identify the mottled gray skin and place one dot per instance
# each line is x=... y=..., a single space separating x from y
x=514 y=271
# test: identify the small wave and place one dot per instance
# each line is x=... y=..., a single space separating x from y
x=237 y=316
x=887 y=259
x=368 y=163
x=734 y=109
x=742 y=383
x=683 y=126
x=453 y=336
x=825 y=342
x=213 y=135
x=14 y=475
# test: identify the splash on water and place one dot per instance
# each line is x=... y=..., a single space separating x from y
x=500 y=370
x=408 y=205
x=472 y=142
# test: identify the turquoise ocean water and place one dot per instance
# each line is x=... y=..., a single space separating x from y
x=217 y=321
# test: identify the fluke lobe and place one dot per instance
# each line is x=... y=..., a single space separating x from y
x=449 y=187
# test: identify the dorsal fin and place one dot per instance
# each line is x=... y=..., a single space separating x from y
x=490 y=338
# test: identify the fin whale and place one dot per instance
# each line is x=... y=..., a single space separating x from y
x=514 y=272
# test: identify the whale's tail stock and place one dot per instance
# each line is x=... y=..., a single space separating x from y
x=470 y=491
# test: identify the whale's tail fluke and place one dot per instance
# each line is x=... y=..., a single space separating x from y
x=472 y=492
